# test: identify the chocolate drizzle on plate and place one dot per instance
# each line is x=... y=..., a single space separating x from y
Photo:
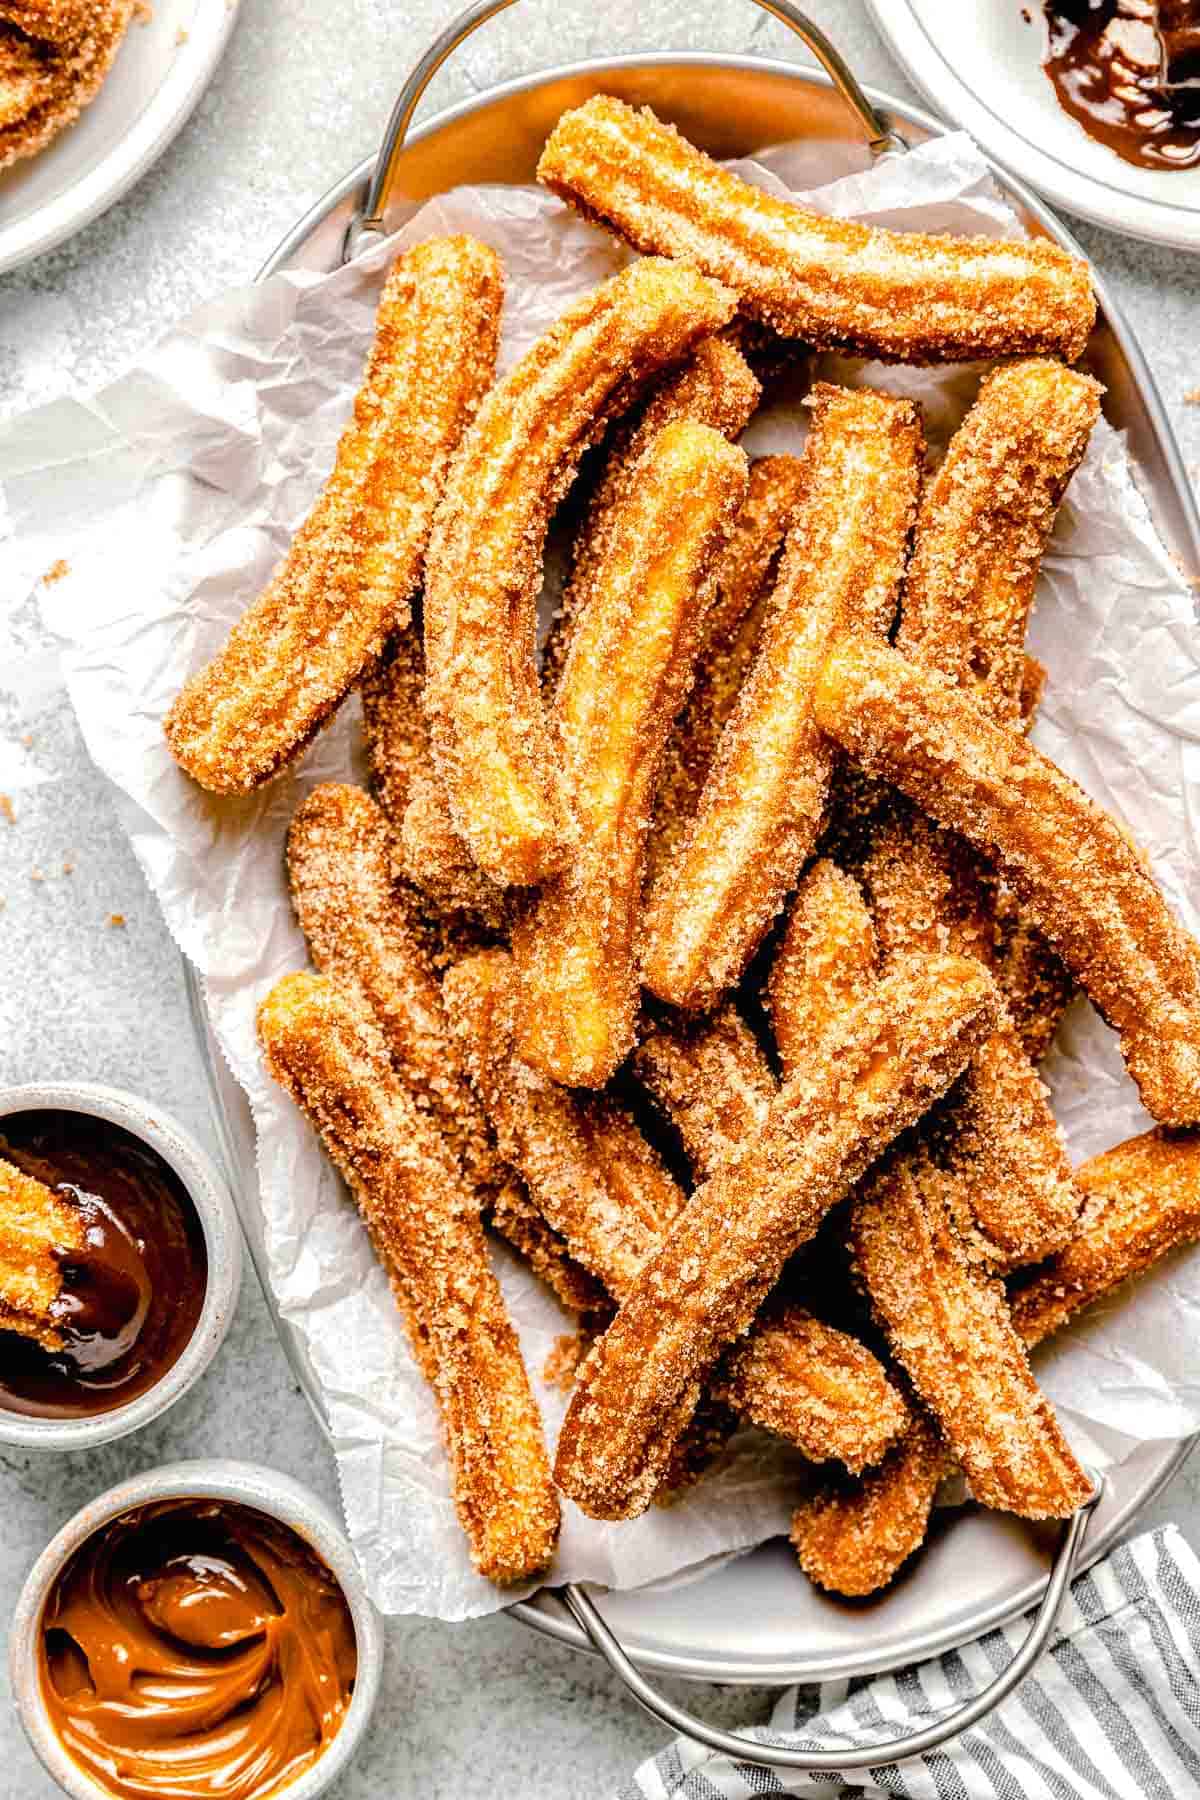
x=1129 y=72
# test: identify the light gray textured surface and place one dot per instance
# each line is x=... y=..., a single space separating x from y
x=472 y=1710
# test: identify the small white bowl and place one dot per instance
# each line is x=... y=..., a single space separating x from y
x=206 y=1478
x=223 y=1245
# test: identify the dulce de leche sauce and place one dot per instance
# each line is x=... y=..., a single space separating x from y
x=196 y=1648
x=131 y=1298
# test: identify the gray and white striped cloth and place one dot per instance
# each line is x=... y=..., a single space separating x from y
x=1111 y=1712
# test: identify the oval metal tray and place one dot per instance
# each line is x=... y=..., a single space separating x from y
x=756 y=1619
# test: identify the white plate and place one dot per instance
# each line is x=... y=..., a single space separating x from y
x=160 y=71
x=983 y=69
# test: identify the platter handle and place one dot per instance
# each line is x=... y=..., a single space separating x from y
x=367 y=223
x=782 y=1756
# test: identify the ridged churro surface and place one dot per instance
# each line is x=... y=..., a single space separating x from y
x=762 y=806
x=728 y=640
x=827 y=961
x=836 y=283
x=38 y=1228
x=948 y=1325
x=872 y=1077
x=356 y=562
x=324 y=1048
x=624 y=681
x=712 y=1081
x=853 y=1538
x=1140 y=1200
x=54 y=58
x=485 y=563
x=714 y=387
x=1080 y=878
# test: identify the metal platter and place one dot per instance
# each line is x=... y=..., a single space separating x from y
x=755 y=1619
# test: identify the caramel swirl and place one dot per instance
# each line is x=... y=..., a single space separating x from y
x=196 y=1648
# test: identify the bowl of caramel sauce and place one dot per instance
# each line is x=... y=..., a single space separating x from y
x=120 y=1264
x=201 y=1629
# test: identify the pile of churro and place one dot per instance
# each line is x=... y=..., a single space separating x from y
x=707 y=956
x=54 y=56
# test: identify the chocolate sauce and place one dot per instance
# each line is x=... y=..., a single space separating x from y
x=132 y=1296
x=1129 y=72
x=196 y=1647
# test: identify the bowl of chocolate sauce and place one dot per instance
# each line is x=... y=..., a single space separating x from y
x=200 y=1629
x=139 y=1285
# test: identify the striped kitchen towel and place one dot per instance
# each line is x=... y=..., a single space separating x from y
x=1111 y=1712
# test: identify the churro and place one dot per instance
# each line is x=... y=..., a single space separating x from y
x=985 y=520
x=482 y=695
x=761 y=809
x=853 y=1537
x=714 y=387
x=948 y=1325
x=729 y=638
x=624 y=680
x=836 y=283
x=1141 y=1200
x=826 y=963
x=355 y=564
x=54 y=59
x=711 y=1080
x=874 y=1075
x=1079 y=877
x=39 y=1231
x=329 y=1055
x=1036 y=983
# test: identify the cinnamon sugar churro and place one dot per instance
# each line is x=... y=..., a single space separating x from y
x=356 y=562
x=836 y=283
x=948 y=1324
x=517 y=461
x=761 y=809
x=624 y=681
x=712 y=1081
x=827 y=961
x=327 y=1052
x=728 y=640
x=872 y=1077
x=1141 y=1200
x=1081 y=880
x=39 y=1230
x=854 y=1537
x=54 y=58
x=714 y=387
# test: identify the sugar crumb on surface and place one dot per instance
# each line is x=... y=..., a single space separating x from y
x=56 y=571
x=116 y=921
x=562 y=1363
x=6 y=809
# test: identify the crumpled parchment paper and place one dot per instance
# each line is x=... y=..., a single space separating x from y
x=171 y=495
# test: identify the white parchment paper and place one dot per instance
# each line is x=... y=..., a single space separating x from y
x=172 y=493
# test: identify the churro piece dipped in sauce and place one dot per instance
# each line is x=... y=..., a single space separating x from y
x=490 y=736
x=836 y=283
x=761 y=810
x=196 y=1647
x=873 y=1076
x=1072 y=866
x=325 y=1049
x=353 y=567
x=624 y=681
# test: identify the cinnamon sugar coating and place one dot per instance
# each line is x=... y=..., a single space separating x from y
x=984 y=523
x=714 y=387
x=712 y=1081
x=873 y=1076
x=625 y=678
x=826 y=962
x=761 y=809
x=1074 y=869
x=1036 y=983
x=854 y=1537
x=356 y=562
x=728 y=641
x=325 y=1049
x=54 y=58
x=836 y=283
x=38 y=1228
x=485 y=563
x=1141 y=1200
x=948 y=1324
